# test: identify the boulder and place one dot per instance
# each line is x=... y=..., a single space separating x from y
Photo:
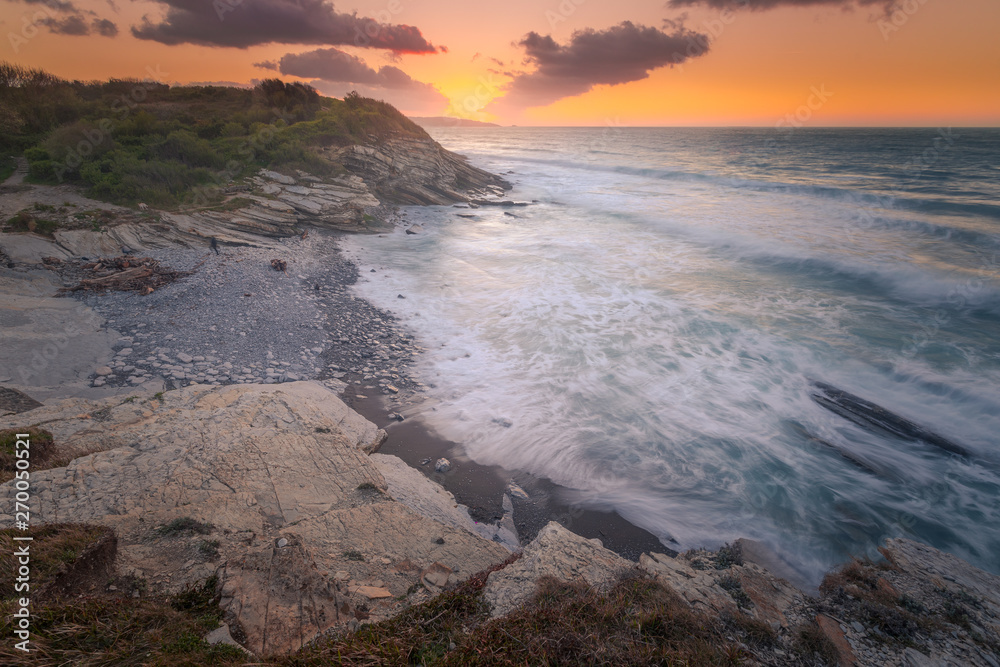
x=558 y=553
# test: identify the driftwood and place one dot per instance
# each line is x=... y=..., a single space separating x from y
x=137 y=274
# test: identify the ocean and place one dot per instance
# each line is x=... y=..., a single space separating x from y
x=668 y=329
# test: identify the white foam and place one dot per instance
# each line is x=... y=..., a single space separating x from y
x=635 y=344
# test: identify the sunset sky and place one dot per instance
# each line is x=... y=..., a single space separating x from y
x=568 y=62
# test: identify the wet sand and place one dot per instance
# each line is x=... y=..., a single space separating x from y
x=481 y=487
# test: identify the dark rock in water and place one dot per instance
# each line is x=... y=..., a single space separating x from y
x=505 y=203
x=869 y=415
x=845 y=453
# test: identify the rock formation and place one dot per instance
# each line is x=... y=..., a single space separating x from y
x=270 y=487
x=272 y=205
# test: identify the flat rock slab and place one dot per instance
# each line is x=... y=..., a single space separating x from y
x=50 y=345
x=278 y=479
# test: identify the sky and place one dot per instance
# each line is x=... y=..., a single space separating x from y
x=765 y=63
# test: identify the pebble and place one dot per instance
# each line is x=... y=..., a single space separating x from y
x=442 y=465
x=288 y=328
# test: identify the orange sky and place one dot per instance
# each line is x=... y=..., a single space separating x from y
x=941 y=67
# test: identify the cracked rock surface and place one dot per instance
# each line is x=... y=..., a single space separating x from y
x=270 y=487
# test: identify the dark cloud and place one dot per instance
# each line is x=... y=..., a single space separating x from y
x=105 y=28
x=71 y=25
x=57 y=5
x=329 y=65
x=335 y=66
x=335 y=73
x=76 y=25
x=620 y=54
x=244 y=23
x=771 y=4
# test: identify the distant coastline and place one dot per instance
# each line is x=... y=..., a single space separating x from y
x=445 y=121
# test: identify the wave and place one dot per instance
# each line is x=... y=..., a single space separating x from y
x=919 y=197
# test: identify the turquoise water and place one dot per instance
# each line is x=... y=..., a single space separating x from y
x=647 y=332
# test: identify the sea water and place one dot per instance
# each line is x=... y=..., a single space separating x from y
x=646 y=332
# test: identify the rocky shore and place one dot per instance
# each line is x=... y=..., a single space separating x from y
x=208 y=425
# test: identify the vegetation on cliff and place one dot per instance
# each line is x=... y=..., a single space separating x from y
x=131 y=140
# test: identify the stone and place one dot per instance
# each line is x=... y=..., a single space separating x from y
x=442 y=465
x=517 y=492
x=184 y=358
x=222 y=635
x=558 y=553
x=276 y=177
x=370 y=592
x=125 y=352
x=414 y=229
x=436 y=576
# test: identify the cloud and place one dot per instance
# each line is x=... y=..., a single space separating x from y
x=329 y=65
x=105 y=28
x=245 y=23
x=335 y=73
x=76 y=25
x=623 y=53
x=57 y=5
x=71 y=25
x=761 y=5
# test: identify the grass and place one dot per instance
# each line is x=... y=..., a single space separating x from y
x=8 y=165
x=637 y=622
x=209 y=549
x=894 y=617
x=178 y=147
x=41 y=452
x=24 y=221
x=811 y=642
x=124 y=631
x=185 y=525
x=728 y=556
x=53 y=548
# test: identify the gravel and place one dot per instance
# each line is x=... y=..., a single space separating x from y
x=236 y=320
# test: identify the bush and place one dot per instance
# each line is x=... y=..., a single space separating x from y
x=43 y=170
